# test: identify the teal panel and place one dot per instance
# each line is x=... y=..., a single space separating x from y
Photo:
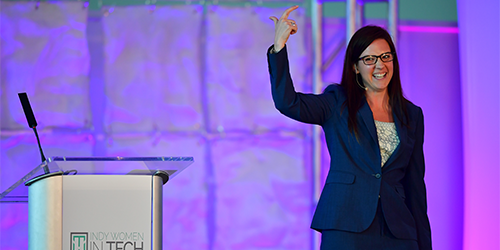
x=410 y=10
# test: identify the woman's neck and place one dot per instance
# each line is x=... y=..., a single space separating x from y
x=379 y=104
x=379 y=99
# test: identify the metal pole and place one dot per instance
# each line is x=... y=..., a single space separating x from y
x=317 y=85
x=350 y=19
x=360 y=15
x=393 y=20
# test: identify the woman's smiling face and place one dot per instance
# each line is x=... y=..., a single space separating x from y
x=376 y=77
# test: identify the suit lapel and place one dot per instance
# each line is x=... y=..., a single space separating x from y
x=402 y=134
x=367 y=117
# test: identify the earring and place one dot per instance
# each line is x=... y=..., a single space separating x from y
x=361 y=86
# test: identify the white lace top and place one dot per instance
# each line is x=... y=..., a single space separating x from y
x=388 y=139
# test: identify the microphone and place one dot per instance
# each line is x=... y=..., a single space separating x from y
x=32 y=123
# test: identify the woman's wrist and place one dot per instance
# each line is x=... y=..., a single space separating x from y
x=274 y=50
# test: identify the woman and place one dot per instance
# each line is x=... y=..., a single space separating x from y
x=375 y=195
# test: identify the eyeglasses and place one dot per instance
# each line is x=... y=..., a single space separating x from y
x=371 y=59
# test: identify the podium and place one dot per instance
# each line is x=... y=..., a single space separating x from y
x=96 y=203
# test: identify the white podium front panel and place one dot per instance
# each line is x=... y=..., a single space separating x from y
x=107 y=212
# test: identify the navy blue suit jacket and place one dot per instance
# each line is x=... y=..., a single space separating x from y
x=356 y=181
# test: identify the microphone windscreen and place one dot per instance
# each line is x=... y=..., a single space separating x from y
x=27 y=110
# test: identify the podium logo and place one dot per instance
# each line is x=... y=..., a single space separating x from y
x=79 y=241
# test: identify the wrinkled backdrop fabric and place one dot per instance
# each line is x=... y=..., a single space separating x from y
x=163 y=93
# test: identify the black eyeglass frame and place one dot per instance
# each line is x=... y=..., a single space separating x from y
x=377 y=57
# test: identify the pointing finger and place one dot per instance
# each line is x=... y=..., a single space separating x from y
x=288 y=11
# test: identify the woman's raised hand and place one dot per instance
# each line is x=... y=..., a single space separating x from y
x=283 y=28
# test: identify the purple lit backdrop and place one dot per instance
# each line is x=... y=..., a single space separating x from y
x=178 y=81
x=479 y=23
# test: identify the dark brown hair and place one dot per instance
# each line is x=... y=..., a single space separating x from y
x=355 y=94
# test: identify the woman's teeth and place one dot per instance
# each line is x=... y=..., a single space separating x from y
x=379 y=76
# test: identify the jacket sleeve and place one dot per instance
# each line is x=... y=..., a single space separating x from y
x=308 y=108
x=416 y=195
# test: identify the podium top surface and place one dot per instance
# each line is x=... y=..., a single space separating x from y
x=58 y=165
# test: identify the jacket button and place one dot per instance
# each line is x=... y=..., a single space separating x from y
x=377 y=176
